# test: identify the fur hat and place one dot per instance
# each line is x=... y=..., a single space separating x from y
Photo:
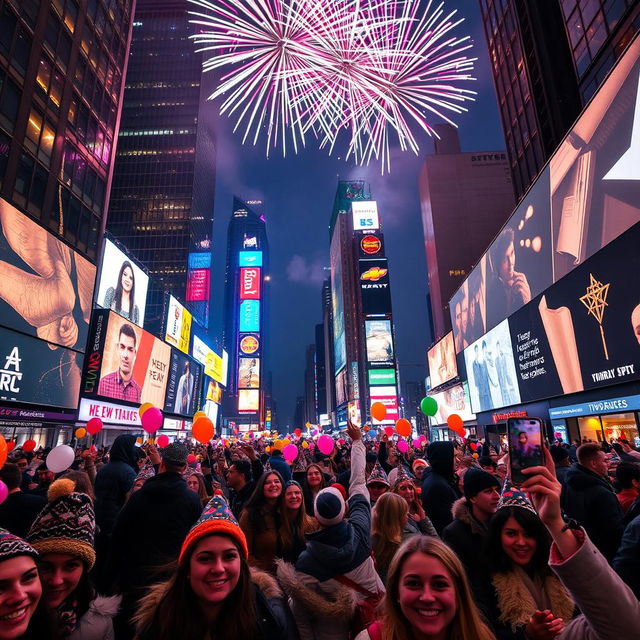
x=512 y=497
x=329 y=507
x=67 y=524
x=11 y=546
x=216 y=518
x=378 y=474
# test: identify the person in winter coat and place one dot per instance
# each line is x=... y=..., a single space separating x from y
x=213 y=593
x=150 y=530
x=439 y=487
x=377 y=483
x=336 y=570
x=300 y=524
x=279 y=464
x=589 y=498
x=314 y=482
x=627 y=559
x=241 y=481
x=388 y=530
x=418 y=521
x=471 y=515
x=63 y=535
x=19 y=509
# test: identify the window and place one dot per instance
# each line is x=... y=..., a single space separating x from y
x=8 y=23
x=21 y=51
x=36 y=195
x=23 y=178
x=43 y=77
x=5 y=145
x=46 y=143
x=34 y=128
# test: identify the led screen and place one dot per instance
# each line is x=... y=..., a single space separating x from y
x=178 y=325
x=249 y=400
x=250 y=258
x=248 y=373
x=379 y=340
x=365 y=215
x=388 y=396
x=382 y=376
x=249 y=315
x=374 y=285
x=337 y=304
x=455 y=399
x=249 y=283
x=442 y=361
x=184 y=385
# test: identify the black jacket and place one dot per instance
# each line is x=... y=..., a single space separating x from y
x=238 y=498
x=627 y=560
x=589 y=499
x=18 y=512
x=150 y=530
x=439 y=488
x=279 y=464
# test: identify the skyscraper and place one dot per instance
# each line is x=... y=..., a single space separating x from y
x=470 y=191
x=163 y=187
x=548 y=59
x=245 y=326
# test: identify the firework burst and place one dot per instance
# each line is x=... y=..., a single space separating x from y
x=373 y=69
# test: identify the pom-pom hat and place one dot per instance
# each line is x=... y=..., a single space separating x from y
x=216 y=518
x=329 y=507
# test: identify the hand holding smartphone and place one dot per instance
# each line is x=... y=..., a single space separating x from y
x=525 y=446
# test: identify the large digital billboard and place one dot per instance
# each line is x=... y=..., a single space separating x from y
x=250 y=258
x=584 y=198
x=337 y=303
x=122 y=284
x=388 y=396
x=373 y=274
x=365 y=214
x=178 y=325
x=370 y=245
x=382 y=376
x=249 y=400
x=248 y=373
x=250 y=283
x=46 y=288
x=199 y=284
x=184 y=385
x=455 y=399
x=248 y=344
x=442 y=361
x=379 y=341
x=124 y=362
x=249 y=315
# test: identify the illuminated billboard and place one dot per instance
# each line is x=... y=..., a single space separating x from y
x=248 y=373
x=455 y=399
x=249 y=344
x=370 y=245
x=442 y=361
x=250 y=258
x=249 y=400
x=249 y=316
x=388 y=396
x=184 y=385
x=125 y=362
x=365 y=215
x=250 y=283
x=337 y=303
x=373 y=275
x=178 y=325
x=379 y=340
x=382 y=376
x=208 y=358
x=122 y=285
x=583 y=199
x=199 y=284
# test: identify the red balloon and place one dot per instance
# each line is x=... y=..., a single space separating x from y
x=163 y=440
x=403 y=427
x=388 y=431
x=11 y=445
x=94 y=425
x=455 y=423
x=473 y=446
x=29 y=445
x=298 y=432
x=191 y=458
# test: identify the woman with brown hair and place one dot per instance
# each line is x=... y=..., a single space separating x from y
x=261 y=522
x=388 y=528
x=314 y=482
x=195 y=482
x=296 y=523
x=417 y=522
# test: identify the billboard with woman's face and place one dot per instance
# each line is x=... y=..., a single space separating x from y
x=123 y=285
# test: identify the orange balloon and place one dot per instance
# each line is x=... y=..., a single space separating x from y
x=403 y=428
x=4 y=451
x=81 y=433
x=203 y=430
x=455 y=423
x=378 y=411
x=144 y=407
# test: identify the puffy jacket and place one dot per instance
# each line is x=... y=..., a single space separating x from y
x=97 y=622
x=439 y=489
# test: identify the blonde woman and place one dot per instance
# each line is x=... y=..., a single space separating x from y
x=389 y=529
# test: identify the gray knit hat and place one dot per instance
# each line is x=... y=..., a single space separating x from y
x=175 y=454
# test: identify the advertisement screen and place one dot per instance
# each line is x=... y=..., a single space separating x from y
x=183 y=386
x=125 y=362
x=214 y=391
x=382 y=376
x=442 y=361
x=452 y=400
x=249 y=283
x=341 y=387
x=374 y=285
x=248 y=373
x=198 y=278
x=46 y=288
x=37 y=372
x=371 y=245
x=389 y=398
x=365 y=215
x=109 y=412
x=337 y=303
x=491 y=370
x=250 y=258
x=249 y=400
x=249 y=344
x=249 y=315
x=178 y=325
x=379 y=340
x=585 y=198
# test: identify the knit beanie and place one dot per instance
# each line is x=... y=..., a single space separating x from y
x=477 y=480
x=215 y=519
x=378 y=474
x=419 y=462
x=67 y=524
x=11 y=546
x=512 y=497
x=341 y=489
x=329 y=507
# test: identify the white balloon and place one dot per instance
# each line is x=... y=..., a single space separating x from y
x=60 y=458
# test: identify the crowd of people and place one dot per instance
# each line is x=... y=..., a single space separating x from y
x=232 y=540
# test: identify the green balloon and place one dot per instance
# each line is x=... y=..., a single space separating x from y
x=429 y=406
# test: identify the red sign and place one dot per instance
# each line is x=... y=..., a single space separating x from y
x=370 y=244
x=503 y=417
x=391 y=404
x=198 y=285
x=249 y=283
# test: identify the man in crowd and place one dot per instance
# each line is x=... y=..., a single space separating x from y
x=20 y=509
x=439 y=487
x=242 y=477
x=279 y=464
x=561 y=462
x=588 y=497
x=628 y=477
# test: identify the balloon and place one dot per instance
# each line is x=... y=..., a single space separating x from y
x=163 y=440
x=403 y=427
x=305 y=445
x=378 y=411
x=325 y=444
x=429 y=406
x=473 y=446
x=290 y=452
x=81 y=433
x=139 y=440
x=143 y=408
x=94 y=425
x=341 y=441
x=455 y=422
x=203 y=430
x=11 y=445
x=402 y=445
x=191 y=458
x=152 y=419
x=60 y=458
x=388 y=431
x=279 y=444
x=312 y=446
x=298 y=432
x=4 y=451
x=416 y=443
x=4 y=491
x=199 y=414
x=267 y=449
x=422 y=437
x=475 y=455
x=29 y=445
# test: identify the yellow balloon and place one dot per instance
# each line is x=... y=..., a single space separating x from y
x=267 y=449
x=138 y=440
x=286 y=441
x=81 y=432
x=144 y=407
x=305 y=445
x=199 y=414
x=279 y=444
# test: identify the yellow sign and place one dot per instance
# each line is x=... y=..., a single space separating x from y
x=214 y=368
x=185 y=332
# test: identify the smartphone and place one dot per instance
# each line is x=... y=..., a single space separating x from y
x=525 y=446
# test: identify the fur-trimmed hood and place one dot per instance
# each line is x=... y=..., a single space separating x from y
x=340 y=602
x=461 y=510
x=97 y=622
x=516 y=604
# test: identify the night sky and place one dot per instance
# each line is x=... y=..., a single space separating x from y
x=298 y=192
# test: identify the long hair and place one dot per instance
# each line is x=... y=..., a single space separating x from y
x=532 y=525
x=467 y=623
x=82 y=480
x=177 y=614
x=118 y=293
x=202 y=487
x=389 y=514
x=293 y=531
x=256 y=506
x=309 y=496
x=415 y=503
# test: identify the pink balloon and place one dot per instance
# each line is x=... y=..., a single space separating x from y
x=4 y=491
x=152 y=420
x=290 y=452
x=163 y=440
x=422 y=437
x=403 y=446
x=325 y=444
x=312 y=446
x=416 y=443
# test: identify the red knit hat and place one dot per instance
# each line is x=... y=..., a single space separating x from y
x=215 y=519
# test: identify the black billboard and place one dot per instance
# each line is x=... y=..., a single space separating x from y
x=184 y=387
x=373 y=275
